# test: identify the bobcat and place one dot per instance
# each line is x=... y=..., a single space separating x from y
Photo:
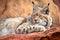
x=40 y=19
x=42 y=15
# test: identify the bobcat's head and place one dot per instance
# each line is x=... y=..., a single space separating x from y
x=37 y=14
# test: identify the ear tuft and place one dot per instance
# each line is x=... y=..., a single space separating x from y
x=48 y=4
x=32 y=2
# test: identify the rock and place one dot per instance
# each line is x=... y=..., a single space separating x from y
x=2 y=6
x=15 y=8
x=57 y=2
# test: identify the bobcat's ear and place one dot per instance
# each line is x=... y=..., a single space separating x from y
x=48 y=4
x=32 y=2
x=46 y=9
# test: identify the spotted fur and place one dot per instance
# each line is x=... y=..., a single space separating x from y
x=26 y=28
